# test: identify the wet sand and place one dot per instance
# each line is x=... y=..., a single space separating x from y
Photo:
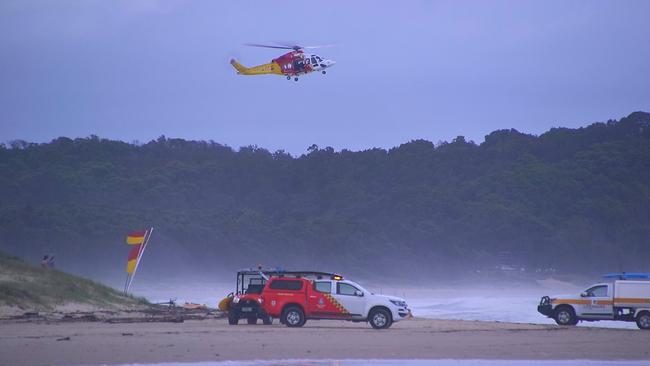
x=94 y=343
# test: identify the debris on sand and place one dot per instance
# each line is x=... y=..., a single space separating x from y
x=149 y=314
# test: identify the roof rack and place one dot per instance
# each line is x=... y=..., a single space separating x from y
x=254 y=271
x=306 y=274
x=628 y=276
x=279 y=272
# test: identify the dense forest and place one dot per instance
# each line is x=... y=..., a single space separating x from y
x=569 y=199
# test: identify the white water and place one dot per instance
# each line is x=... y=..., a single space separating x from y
x=499 y=303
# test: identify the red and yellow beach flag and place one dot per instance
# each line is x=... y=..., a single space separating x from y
x=136 y=237
x=133 y=258
x=139 y=241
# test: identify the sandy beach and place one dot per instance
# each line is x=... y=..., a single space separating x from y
x=93 y=343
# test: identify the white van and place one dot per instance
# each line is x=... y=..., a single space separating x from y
x=625 y=299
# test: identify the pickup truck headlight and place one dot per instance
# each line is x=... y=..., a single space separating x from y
x=399 y=303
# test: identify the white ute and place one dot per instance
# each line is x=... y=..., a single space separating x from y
x=626 y=298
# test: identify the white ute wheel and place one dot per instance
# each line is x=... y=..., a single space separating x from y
x=643 y=320
x=380 y=318
x=565 y=315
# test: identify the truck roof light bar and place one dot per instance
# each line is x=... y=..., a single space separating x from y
x=628 y=276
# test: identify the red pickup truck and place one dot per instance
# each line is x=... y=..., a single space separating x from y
x=294 y=300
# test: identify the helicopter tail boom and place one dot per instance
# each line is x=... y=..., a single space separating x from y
x=270 y=68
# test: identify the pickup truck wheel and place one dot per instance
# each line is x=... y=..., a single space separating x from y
x=233 y=317
x=267 y=320
x=293 y=317
x=380 y=319
x=565 y=315
x=643 y=320
x=252 y=320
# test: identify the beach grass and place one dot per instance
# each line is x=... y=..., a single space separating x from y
x=27 y=286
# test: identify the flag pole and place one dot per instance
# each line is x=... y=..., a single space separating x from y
x=126 y=282
x=137 y=262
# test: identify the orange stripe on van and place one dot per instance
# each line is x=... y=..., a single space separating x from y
x=571 y=301
x=604 y=302
x=632 y=300
x=625 y=300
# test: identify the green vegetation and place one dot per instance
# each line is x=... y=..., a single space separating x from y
x=29 y=287
x=571 y=199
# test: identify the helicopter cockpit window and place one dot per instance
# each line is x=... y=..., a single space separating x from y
x=307 y=61
x=313 y=60
x=319 y=59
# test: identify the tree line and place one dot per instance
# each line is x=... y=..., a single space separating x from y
x=568 y=199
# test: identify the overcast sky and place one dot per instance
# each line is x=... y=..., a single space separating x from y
x=138 y=69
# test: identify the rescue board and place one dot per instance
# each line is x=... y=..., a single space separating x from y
x=628 y=276
x=224 y=304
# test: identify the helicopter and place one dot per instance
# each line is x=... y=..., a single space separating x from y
x=292 y=64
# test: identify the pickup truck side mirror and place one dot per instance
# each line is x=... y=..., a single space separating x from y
x=584 y=294
x=358 y=293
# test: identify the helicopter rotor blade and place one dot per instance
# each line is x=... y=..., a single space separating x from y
x=269 y=46
x=289 y=46
x=319 y=46
x=299 y=47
